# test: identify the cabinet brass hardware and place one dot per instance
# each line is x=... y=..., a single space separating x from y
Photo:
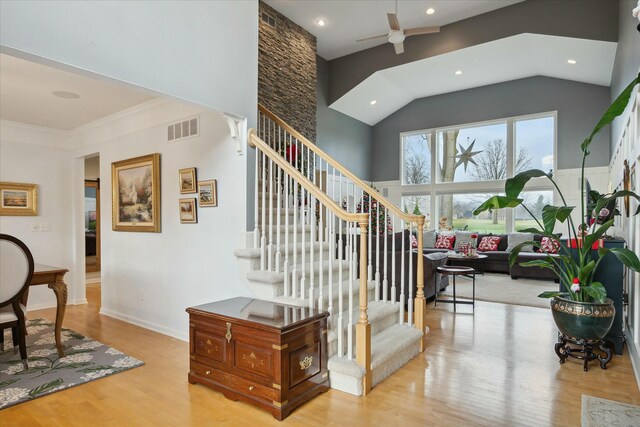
x=306 y=362
x=208 y=372
x=228 y=336
x=251 y=387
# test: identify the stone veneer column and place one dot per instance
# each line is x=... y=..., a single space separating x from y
x=287 y=72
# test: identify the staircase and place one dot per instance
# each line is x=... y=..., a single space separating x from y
x=319 y=242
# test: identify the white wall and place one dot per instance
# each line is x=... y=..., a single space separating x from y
x=151 y=278
x=204 y=52
x=49 y=168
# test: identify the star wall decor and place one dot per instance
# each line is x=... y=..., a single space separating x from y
x=466 y=155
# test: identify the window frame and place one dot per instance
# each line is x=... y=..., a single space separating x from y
x=435 y=189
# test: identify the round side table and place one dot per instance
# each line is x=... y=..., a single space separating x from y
x=453 y=271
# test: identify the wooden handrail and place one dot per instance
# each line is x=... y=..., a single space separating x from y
x=255 y=141
x=366 y=188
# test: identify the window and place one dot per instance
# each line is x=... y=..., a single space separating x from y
x=449 y=172
x=455 y=212
x=473 y=154
x=416 y=158
x=534 y=144
x=534 y=201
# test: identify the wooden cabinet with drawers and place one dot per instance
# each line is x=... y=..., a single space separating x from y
x=270 y=355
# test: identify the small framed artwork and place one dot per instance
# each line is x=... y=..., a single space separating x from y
x=18 y=199
x=188 y=180
x=188 y=212
x=135 y=192
x=207 y=193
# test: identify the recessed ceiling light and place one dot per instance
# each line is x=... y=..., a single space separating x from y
x=458 y=73
x=572 y=61
x=320 y=22
x=373 y=102
x=64 y=94
x=431 y=11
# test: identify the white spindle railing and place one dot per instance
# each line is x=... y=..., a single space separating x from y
x=326 y=264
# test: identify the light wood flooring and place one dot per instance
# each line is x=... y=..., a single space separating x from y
x=496 y=367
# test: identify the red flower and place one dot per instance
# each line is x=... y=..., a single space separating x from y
x=474 y=236
x=576 y=281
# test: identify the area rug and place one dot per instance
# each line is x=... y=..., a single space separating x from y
x=598 y=412
x=501 y=288
x=85 y=360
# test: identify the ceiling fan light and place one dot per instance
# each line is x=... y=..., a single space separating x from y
x=396 y=36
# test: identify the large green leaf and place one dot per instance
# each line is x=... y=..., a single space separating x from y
x=538 y=263
x=551 y=214
x=549 y=294
x=604 y=201
x=590 y=239
x=626 y=256
x=596 y=291
x=513 y=187
x=513 y=256
x=497 y=202
x=531 y=230
x=586 y=271
x=618 y=106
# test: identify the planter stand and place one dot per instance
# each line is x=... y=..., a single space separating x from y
x=585 y=352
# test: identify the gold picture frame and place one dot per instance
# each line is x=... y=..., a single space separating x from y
x=188 y=211
x=18 y=199
x=187 y=180
x=208 y=193
x=135 y=193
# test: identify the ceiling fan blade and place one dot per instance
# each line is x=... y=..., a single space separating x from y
x=421 y=30
x=399 y=47
x=393 y=21
x=372 y=37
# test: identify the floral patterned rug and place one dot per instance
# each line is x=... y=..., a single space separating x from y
x=85 y=360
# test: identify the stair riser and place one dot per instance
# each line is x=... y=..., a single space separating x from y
x=255 y=263
x=283 y=236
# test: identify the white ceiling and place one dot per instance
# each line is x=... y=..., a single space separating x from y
x=26 y=96
x=511 y=58
x=347 y=21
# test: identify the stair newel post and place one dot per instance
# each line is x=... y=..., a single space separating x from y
x=421 y=303
x=285 y=267
x=403 y=255
x=385 y=282
x=363 y=328
x=393 y=260
x=340 y=293
x=263 y=237
x=411 y=269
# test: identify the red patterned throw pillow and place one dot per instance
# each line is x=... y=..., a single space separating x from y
x=489 y=243
x=445 y=241
x=414 y=242
x=549 y=246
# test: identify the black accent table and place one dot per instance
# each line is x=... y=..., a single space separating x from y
x=454 y=270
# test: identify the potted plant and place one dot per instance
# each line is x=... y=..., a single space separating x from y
x=582 y=312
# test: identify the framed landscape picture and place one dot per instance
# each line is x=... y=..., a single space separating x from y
x=135 y=187
x=18 y=199
x=187 y=178
x=188 y=212
x=207 y=193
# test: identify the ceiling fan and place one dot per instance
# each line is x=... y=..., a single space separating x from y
x=396 y=35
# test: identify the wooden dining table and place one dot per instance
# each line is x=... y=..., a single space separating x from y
x=53 y=277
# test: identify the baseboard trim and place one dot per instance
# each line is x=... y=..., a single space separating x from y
x=45 y=305
x=634 y=355
x=182 y=336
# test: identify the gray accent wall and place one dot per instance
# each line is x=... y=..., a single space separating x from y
x=344 y=138
x=579 y=107
x=627 y=62
x=584 y=19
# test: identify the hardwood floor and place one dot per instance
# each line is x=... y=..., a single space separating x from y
x=496 y=367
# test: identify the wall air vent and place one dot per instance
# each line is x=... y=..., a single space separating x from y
x=268 y=19
x=185 y=128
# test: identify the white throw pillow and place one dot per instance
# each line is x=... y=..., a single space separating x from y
x=429 y=238
x=514 y=239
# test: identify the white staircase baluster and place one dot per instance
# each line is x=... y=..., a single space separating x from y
x=411 y=280
x=370 y=265
x=402 y=282
x=321 y=252
x=393 y=260
x=303 y=221
x=263 y=238
x=351 y=227
x=285 y=267
x=278 y=211
x=385 y=282
x=270 y=198
x=377 y=219
x=296 y=201
x=256 y=229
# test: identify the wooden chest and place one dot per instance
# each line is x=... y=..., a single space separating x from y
x=270 y=355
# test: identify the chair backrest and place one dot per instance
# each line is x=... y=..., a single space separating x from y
x=16 y=269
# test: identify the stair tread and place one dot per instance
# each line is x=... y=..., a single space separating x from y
x=276 y=277
x=390 y=341
x=325 y=294
x=255 y=252
x=376 y=310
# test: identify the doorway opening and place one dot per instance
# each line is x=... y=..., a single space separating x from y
x=92 y=225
